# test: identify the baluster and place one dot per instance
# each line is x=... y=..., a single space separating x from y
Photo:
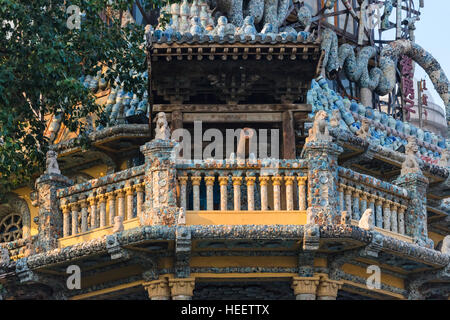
x=356 y=211
x=237 y=181
x=276 y=182
x=250 y=193
x=401 y=219
x=196 y=191
x=372 y=199
x=112 y=206
x=75 y=208
x=121 y=203
x=209 y=192
x=301 y=181
x=348 y=200
x=84 y=214
x=387 y=215
x=394 y=224
x=130 y=195
x=263 y=186
x=102 y=204
x=223 y=182
x=183 y=195
x=363 y=202
x=66 y=220
x=341 y=197
x=140 y=198
x=289 y=182
x=93 y=212
x=379 y=212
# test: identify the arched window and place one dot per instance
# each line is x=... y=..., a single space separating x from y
x=15 y=220
x=11 y=227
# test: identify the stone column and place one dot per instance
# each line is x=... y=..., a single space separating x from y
x=372 y=199
x=75 y=208
x=139 y=199
x=328 y=289
x=394 y=221
x=302 y=200
x=209 y=193
x=121 y=203
x=263 y=187
x=84 y=214
x=401 y=219
x=50 y=216
x=112 y=206
x=276 y=182
x=250 y=193
x=183 y=194
x=196 y=192
x=102 y=204
x=305 y=288
x=387 y=215
x=182 y=288
x=363 y=203
x=289 y=182
x=66 y=220
x=223 y=182
x=416 y=213
x=237 y=181
x=379 y=212
x=130 y=195
x=348 y=200
x=93 y=211
x=323 y=199
x=356 y=212
x=341 y=197
x=160 y=205
x=158 y=289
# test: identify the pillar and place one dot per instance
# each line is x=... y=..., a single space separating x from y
x=75 y=208
x=183 y=194
x=223 y=182
x=276 y=182
x=323 y=198
x=237 y=181
x=379 y=212
x=102 y=204
x=182 y=288
x=139 y=199
x=348 y=200
x=158 y=289
x=209 y=193
x=401 y=219
x=356 y=212
x=341 y=197
x=302 y=200
x=112 y=207
x=93 y=211
x=66 y=220
x=84 y=214
x=130 y=195
x=250 y=193
x=305 y=287
x=328 y=289
x=121 y=203
x=387 y=215
x=394 y=221
x=264 y=199
x=196 y=192
x=289 y=182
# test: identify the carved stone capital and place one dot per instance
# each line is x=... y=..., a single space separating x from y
x=182 y=288
x=328 y=289
x=157 y=289
x=305 y=287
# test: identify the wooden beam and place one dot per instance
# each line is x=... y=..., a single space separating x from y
x=232 y=117
x=288 y=135
x=218 y=108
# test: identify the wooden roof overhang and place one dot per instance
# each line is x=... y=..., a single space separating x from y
x=233 y=72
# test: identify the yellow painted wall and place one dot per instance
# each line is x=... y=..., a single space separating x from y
x=435 y=237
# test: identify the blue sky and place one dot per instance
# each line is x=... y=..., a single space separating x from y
x=433 y=34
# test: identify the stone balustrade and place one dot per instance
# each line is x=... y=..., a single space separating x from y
x=95 y=204
x=243 y=188
x=358 y=192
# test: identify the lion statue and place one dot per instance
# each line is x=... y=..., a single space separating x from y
x=162 y=130
x=366 y=220
x=319 y=131
x=410 y=165
x=51 y=163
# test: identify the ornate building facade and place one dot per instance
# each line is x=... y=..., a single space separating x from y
x=349 y=204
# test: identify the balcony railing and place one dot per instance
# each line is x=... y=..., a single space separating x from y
x=94 y=204
x=358 y=192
